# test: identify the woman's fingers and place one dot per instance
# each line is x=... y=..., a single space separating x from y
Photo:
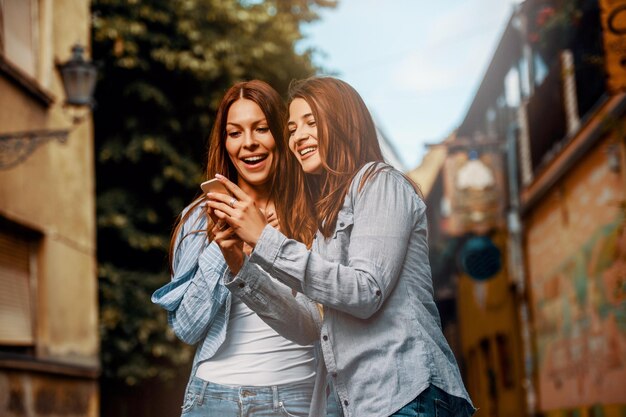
x=232 y=188
x=222 y=230
x=229 y=244
x=220 y=225
x=272 y=219
x=222 y=198
x=220 y=210
x=243 y=215
x=227 y=203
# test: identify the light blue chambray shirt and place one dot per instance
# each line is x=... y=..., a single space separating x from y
x=381 y=336
x=198 y=302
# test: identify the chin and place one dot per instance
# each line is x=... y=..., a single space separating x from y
x=313 y=169
x=256 y=180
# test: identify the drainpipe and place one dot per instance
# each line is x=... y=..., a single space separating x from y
x=517 y=269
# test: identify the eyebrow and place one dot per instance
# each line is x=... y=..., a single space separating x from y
x=257 y=122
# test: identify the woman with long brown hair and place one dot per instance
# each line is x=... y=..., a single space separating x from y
x=381 y=337
x=242 y=367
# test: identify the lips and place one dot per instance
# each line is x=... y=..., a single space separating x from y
x=306 y=151
x=253 y=160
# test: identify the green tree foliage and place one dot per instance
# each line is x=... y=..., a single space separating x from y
x=164 y=66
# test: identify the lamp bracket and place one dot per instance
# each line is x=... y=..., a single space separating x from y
x=16 y=147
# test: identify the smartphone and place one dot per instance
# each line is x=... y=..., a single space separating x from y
x=214 y=186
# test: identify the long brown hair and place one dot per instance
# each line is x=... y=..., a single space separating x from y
x=347 y=140
x=286 y=183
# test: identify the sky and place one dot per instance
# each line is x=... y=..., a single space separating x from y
x=416 y=63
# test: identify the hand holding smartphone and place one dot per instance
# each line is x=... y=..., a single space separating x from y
x=214 y=186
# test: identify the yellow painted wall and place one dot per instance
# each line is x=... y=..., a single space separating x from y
x=53 y=191
x=487 y=312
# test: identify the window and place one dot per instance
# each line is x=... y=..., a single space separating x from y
x=541 y=69
x=490 y=122
x=512 y=88
x=546 y=118
x=17 y=279
x=18 y=33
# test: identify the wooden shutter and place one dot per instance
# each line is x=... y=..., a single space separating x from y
x=16 y=323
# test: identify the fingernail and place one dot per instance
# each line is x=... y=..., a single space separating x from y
x=219 y=176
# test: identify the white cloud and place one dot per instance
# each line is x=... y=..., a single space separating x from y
x=421 y=74
x=456 y=47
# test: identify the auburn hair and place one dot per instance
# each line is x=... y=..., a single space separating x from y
x=293 y=207
x=347 y=140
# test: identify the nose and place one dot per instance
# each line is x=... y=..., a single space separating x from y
x=299 y=136
x=249 y=141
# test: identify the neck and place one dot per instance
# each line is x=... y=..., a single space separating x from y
x=259 y=193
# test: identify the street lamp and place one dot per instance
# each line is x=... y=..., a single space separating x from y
x=79 y=80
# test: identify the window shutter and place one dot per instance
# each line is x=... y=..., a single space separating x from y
x=16 y=324
x=19 y=33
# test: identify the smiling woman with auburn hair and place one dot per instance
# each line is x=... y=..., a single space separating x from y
x=242 y=366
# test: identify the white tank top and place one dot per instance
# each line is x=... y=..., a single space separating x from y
x=253 y=354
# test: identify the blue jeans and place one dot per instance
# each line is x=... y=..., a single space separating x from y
x=204 y=398
x=435 y=402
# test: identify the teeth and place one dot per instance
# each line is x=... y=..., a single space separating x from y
x=254 y=158
x=307 y=150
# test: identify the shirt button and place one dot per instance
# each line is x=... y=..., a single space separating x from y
x=241 y=285
x=325 y=337
x=378 y=293
x=345 y=402
x=341 y=224
x=334 y=374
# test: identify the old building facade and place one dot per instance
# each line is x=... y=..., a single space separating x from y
x=49 y=345
x=543 y=331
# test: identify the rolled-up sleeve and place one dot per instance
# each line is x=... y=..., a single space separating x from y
x=296 y=318
x=384 y=213
x=195 y=294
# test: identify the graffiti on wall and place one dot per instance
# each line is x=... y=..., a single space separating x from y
x=580 y=319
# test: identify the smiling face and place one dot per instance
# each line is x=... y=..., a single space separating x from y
x=250 y=143
x=303 y=140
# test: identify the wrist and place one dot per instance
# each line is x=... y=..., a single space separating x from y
x=230 y=274
x=255 y=239
x=235 y=265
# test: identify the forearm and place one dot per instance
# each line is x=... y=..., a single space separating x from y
x=366 y=254
x=353 y=290
x=296 y=318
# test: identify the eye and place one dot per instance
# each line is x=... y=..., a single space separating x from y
x=262 y=129
x=311 y=123
x=233 y=134
x=291 y=132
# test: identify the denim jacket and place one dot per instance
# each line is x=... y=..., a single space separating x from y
x=381 y=336
x=198 y=302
